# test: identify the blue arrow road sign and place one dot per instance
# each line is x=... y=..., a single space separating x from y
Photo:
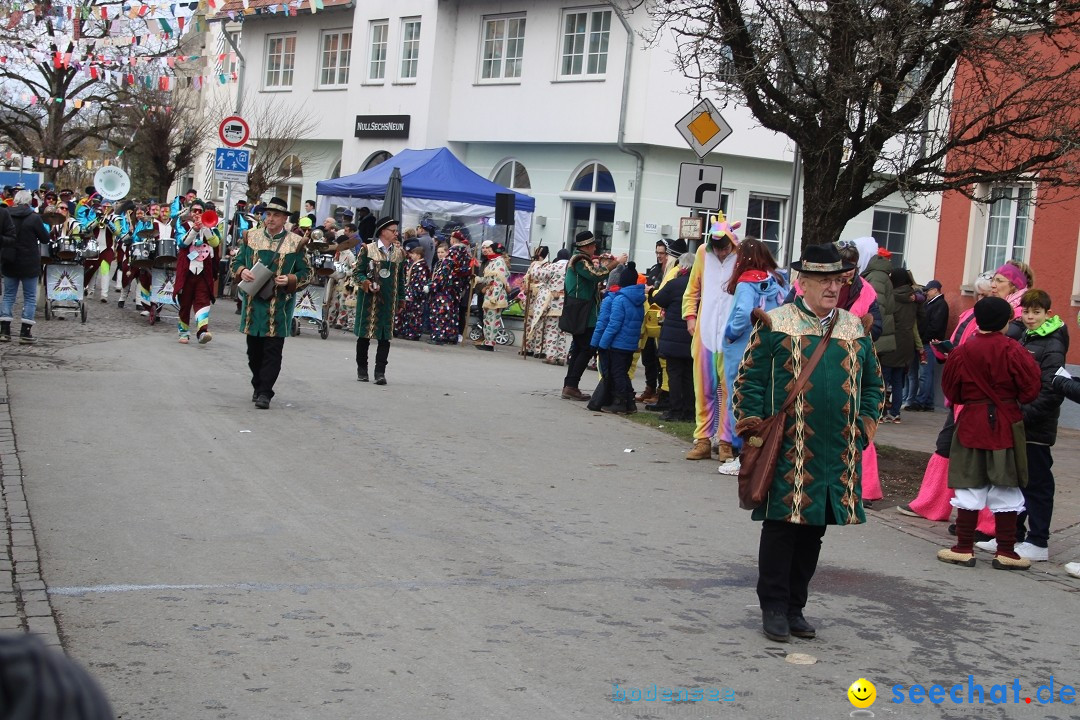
x=232 y=164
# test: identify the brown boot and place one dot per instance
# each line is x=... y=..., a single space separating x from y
x=702 y=450
x=648 y=395
x=572 y=393
x=724 y=451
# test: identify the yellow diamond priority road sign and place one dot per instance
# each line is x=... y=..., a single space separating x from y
x=703 y=128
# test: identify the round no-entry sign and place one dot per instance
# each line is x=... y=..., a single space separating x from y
x=234 y=131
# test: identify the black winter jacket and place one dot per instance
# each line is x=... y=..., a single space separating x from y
x=936 y=323
x=30 y=232
x=1041 y=415
x=674 y=338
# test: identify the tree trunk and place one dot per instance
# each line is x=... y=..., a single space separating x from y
x=823 y=211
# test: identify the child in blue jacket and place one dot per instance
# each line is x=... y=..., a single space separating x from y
x=618 y=328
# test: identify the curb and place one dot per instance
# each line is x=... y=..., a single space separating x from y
x=24 y=599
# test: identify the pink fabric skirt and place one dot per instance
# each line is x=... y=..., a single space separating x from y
x=871 y=481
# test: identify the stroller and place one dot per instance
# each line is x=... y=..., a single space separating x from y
x=505 y=335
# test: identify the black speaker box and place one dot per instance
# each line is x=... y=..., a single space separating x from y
x=504 y=208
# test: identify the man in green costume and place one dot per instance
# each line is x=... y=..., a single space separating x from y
x=379 y=273
x=818 y=478
x=267 y=321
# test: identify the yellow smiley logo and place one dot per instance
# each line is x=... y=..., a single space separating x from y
x=862 y=693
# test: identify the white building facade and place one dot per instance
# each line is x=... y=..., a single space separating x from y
x=557 y=99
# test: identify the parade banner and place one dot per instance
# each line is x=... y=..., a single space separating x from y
x=161 y=287
x=309 y=303
x=64 y=282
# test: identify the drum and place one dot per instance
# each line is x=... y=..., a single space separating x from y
x=324 y=265
x=141 y=253
x=67 y=248
x=91 y=251
x=46 y=250
x=166 y=251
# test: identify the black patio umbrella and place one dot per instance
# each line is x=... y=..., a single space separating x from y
x=392 y=199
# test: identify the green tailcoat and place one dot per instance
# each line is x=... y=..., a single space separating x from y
x=273 y=317
x=375 y=310
x=821 y=456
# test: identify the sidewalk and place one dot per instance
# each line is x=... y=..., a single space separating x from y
x=919 y=432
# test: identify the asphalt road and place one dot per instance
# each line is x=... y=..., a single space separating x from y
x=458 y=544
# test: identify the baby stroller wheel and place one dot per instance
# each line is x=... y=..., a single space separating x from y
x=82 y=312
x=476 y=333
x=504 y=337
x=295 y=327
x=324 y=330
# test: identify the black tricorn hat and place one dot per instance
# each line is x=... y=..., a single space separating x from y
x=821 y=259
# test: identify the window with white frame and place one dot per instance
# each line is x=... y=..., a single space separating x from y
x=335 y=58
x=280 y=60
x=585 y=43
x=890 y=229
x=1008 y=225
x=513 y=175
x=231 y=65
x=410 y=48
x=764 y=217
x=380 y=33
x=503 y=48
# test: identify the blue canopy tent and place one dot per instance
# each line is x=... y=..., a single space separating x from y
x=433 y=182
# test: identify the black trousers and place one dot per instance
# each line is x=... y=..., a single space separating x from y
x=1038 y=497
x=619 y=365
x=580 y=352
x=382 y=354
x=651 y=360
x=787 y=559
x=680 y=372
x=264 y=360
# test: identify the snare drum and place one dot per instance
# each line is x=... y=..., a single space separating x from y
x=166 y=251
x=91 y=251
x=66 y=248
x=324 y=266
x=141 y=253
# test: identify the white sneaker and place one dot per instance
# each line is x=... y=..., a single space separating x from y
x=1034 y=553
x=989 y=546
x=731 y=467
x=144 y=313
x=1073 y=569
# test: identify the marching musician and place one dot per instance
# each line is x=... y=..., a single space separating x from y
x=140 y=223
x=193 y=286
x=180 y=208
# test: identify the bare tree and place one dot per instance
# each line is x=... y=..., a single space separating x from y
x=888 y=96
x=46 y=55
x=168 y=133
x=276 y=130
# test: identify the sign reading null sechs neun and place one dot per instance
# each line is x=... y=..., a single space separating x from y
x=382 y=126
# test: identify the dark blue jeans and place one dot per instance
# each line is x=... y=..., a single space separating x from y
x=927 y=381
x=1038 y=497
x=895 y=378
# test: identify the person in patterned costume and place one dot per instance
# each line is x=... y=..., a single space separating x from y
x=379 y=275
x=410 y=321
x=267 y=322
x=535 y=306
x=496 y=283
x=818 y=472
x=555 y=344
x=448 y=284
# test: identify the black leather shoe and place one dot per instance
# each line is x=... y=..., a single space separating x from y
x=775 y=625
x=362 y=375
x=658 y=406
x=255 y=396
x=380 y=379
x=262 y=402
x=799 y=627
